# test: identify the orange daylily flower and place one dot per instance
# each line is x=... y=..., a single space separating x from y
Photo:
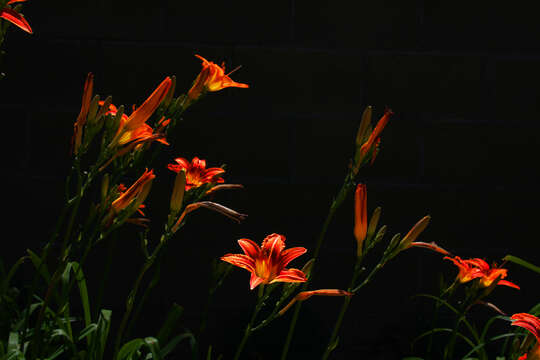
x=479 y=269
x=532 y=324
x=14 y=17
x=467 y=271
x=267 y=263
x=211 y=78
x=196 y=172
x=360 y=216
x=135 y=194
x=134 y=126
x=304 y=295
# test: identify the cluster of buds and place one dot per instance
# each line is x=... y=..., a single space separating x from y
x=368 y=139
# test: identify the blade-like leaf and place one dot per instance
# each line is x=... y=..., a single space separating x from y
x=522 y=262
x=170 y=322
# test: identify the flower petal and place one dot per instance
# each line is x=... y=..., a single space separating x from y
x=508 y=283
x=240 y=260
x=272 y=246
x=254 y=281
x=250 y=248
x=290 y=254
x=16 y=19
x=290 y=275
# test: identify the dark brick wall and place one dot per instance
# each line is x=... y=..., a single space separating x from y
x=462 y=78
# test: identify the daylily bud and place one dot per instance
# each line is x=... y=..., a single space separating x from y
x=360 y=216
x=104 y=187
x=362 y=134
x=369 y=147
x=416 y=230
x=178 y=192
x=81 y=119
x=373 y=222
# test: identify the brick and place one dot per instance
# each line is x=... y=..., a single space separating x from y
x=475 y=27
x=474 y=153
x=237 y=22
x=48 y=72
x=414 y=82
x=515 y=90
x=314 y=82
x=386 y=24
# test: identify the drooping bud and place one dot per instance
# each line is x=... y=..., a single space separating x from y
x=304 y=295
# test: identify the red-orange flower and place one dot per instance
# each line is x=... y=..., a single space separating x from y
x=134 y=127
x=532 y=324
x=14 y=17
x=479 y=269
x=467 y=271
x=196 y=172
x=267 y=263
x=135 y=194
x=211 y=78
x=527 y=321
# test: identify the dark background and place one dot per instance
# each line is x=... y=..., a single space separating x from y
x=462 y=78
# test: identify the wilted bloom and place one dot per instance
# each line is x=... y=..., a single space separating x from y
x=431 y=246
x=14 y=17
x=211 y=78
x=223 y=210
x=360 y=216
x=532 y=324
x=196 y=172
x=479 y=269
x=304 y=295
x=135 y=195
x=267 y=263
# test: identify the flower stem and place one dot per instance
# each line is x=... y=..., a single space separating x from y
x=346 y=188
x=247 y=332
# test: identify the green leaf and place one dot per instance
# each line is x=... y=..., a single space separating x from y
x=522 y=262
x=170 y=323
x=153 y=346
x=83 y=291
x=129 y=348
x=42 y=269
x=90 y=329
x=175 y=341
x=479 y=346
x=413 y=358
x=12 y=271
x=437 y=330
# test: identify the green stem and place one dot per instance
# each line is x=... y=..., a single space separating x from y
x=344 y=307
x=346 y=188
x=247 y=332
